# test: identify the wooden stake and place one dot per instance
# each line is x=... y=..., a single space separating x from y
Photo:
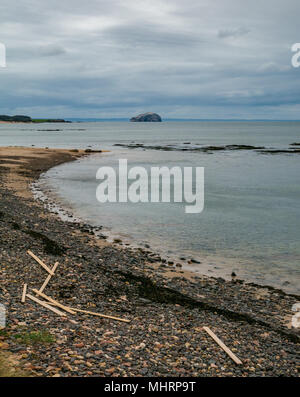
x=100 y=315
x=46 y=305
x=49 y=277
x=223 y=346
x=53 y=301
x=24 y=293
x=40 y=262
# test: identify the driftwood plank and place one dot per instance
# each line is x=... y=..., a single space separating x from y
x=40 y=262
x=100 y=315
x=48 y=298
x=223 y=346
x=46 y=305
x=24 y=293
x=49 y=277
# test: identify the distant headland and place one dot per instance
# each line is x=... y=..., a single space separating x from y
x=27 y=119
x=147 y=117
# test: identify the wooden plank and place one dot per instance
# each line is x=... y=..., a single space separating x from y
x=95 y=314
x=46 y=305
x=48 y=298
x=100 y=315
x=49 y=277
x=223 y=346
x=40 y=262
x=24 y=293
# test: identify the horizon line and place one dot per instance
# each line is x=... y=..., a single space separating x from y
x=178 y=119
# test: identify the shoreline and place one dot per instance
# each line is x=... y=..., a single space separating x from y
x=133 y=283
x=65 y=212
x=24 y=165
x=192 y=262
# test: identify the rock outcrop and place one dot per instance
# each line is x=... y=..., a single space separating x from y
x=16 y=119
x=146 y=117
x=27 y=119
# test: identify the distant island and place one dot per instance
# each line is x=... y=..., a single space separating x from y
x=147 y=117
x=27 y=119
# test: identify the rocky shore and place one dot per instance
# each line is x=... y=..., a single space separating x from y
x=167 y=307
x=27 y=119
x=211 y=149
x=147 y=117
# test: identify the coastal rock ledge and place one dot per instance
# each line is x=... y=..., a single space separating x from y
x=147 y=117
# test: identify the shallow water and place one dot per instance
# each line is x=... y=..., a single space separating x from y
x=251 y=220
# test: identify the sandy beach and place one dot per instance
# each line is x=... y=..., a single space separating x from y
x=166 y=306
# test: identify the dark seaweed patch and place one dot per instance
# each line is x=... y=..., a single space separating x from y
x=147 y=289
x=15 y=226
x=50 y=246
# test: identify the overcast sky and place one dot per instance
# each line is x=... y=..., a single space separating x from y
x=180 y=58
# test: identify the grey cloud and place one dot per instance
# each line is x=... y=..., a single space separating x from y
x=34 y=52
x=189 y=59
x=224 y=33
x=149 y=35
x=51 y=50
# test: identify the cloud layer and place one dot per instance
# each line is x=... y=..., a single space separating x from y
x=191 y=59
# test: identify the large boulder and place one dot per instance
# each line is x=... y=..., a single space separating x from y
x=147 y=117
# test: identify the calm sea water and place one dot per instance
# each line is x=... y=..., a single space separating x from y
x=251 y=220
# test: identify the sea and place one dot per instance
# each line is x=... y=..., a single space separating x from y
x=250 y=223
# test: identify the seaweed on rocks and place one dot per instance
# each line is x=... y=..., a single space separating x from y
x=151 y=291
x=280 y=151
x=204 y=149
x=50 y=246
